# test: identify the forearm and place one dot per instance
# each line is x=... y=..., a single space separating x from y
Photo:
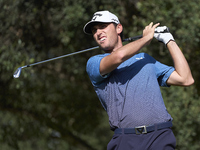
x=112 y=61
x=132 y=48
x=182 y=75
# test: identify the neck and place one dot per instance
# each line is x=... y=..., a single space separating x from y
x=115 y=47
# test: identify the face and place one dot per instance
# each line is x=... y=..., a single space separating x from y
x=107 y=36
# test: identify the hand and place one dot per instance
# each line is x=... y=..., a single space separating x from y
x=148 y=32
x=162 y=34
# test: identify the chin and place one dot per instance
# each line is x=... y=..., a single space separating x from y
x=107 y=50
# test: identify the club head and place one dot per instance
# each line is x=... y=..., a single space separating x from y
x=17 y=72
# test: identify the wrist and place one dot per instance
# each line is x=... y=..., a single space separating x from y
x=146 y=40
x=167 y=38
x=170 y=43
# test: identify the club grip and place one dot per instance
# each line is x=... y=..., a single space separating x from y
x=165 y=31
x=140 y=36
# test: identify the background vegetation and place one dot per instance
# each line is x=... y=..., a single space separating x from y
x=53 y=106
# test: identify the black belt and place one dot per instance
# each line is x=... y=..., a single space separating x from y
x=143 y=129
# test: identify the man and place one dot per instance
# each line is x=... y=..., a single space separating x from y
x=127 y=84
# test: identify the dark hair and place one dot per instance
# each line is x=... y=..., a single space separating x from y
x=121 y=34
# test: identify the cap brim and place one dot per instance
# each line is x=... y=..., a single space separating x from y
x=88 y=26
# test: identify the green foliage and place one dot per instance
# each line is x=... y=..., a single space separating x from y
x=53 y=105
x=183 y=105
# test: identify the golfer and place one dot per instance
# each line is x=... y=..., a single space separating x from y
x=127 y=84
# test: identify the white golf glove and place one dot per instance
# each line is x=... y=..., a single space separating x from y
x=162 y=34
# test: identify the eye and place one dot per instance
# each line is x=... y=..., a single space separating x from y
x=99 y=27
x=94 y=30
x=103 y=26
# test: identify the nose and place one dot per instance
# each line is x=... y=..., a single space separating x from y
x=98 y=31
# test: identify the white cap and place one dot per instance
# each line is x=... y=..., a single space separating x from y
x=100 y=16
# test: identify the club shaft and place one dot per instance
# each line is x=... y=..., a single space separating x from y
x=132 y=38
x=18 y=71
x=78 y=52
x=44 y=61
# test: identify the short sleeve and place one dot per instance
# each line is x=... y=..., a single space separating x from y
x=163 y=72
x=93 y=69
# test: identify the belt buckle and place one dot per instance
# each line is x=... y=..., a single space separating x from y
x=141 y=130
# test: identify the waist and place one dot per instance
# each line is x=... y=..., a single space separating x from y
x=144 y=129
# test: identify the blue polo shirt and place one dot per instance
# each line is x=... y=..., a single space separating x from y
x=131 y=93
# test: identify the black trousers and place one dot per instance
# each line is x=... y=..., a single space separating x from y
x=158 y=140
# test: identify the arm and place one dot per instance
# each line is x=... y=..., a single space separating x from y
x=112 y=61
x=182 y=75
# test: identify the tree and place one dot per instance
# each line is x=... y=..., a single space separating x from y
x=53 y=105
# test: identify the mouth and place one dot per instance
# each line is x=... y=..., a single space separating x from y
x=102 y=39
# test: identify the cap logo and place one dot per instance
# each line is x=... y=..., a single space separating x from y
x=115 y=20
x=95 y=16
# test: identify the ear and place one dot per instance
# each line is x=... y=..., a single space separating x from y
x=119 y=28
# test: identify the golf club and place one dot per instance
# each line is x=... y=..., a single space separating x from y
x=18 y=71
